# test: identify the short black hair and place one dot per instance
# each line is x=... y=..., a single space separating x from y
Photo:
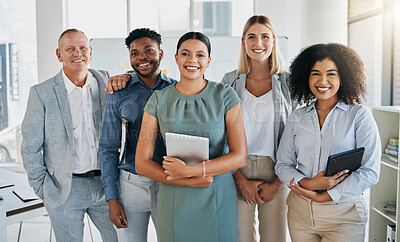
x=350 y=67
x=195 y=35
x=141 y=33
x=70 y=31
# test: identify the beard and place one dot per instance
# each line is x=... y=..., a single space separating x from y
x=156 y=65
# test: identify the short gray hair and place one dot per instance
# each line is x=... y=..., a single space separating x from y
x=70 y=31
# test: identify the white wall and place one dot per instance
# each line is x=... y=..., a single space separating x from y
x=324 y=21
x=241 y=11
x=53 y=18
x=286 y=16
x=50 y=22
x=98 y=18
x=306 y=22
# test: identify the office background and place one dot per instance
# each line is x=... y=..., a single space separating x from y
x=29 y=31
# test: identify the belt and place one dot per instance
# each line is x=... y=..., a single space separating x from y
x=89 y=174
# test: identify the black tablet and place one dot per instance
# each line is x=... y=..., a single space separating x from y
x=350 y=160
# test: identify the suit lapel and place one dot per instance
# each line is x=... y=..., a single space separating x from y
x=98 y=98
x=96 y=106
x=62 y=98
x=241 y=85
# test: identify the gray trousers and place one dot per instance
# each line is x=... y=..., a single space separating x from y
x=86 y=196
x=138 y=196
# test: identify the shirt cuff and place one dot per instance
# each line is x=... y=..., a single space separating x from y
x=298 y=178
x=334 y=194
x=111 y=192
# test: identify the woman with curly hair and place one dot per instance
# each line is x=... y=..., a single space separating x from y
x=329 y=79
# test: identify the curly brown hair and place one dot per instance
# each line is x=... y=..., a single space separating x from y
x=350 y=67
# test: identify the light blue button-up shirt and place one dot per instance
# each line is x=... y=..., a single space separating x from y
x=304 y=148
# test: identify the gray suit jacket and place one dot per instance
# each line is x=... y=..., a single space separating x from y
x=48 y=140
x=283 y=105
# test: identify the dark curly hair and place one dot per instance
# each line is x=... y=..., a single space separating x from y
x=350 y=67
x=141 y=33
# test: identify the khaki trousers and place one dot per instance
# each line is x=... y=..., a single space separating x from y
x=271 y=215
x=329 y=221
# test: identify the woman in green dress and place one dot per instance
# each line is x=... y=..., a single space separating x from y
x=195 y=202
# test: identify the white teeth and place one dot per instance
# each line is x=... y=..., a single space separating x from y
x=258 y=51
x=77 y=61
x=323 y=88
x=143 y=65
x=191 y=68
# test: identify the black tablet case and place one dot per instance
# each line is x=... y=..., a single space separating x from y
x=350 y=160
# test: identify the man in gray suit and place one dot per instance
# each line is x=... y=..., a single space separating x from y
x=60 y=141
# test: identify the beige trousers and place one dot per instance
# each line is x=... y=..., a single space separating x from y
x=311 y=221
x=271 y=215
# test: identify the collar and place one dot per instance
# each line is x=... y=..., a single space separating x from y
x=69 y=85
x=340 y=104
x=161 y=78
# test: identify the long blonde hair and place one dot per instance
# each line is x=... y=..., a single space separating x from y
x=276 y=62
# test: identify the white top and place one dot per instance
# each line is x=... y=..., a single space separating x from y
x=258 y=117
x=86 y=141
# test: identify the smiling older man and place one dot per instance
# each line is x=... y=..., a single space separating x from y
x=60 y=141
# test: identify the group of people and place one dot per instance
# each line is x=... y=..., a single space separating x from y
x=270 y=133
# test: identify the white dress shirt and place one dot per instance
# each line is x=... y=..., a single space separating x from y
x=86 y=141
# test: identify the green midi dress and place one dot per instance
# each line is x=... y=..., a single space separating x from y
x=193 y=213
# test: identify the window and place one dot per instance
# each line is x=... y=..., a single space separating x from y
x=396 y=73
x=360 y=7
x=374 y=31
x=212 y=17
x=365 y=27
x=18 y=71
x=365 y=37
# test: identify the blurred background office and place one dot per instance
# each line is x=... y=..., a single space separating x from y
x=29 y=31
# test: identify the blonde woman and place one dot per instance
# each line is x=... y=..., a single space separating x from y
x=261 y=83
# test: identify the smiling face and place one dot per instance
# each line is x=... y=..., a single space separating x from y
x=74 y=52
x=258 y=42
x=145 y=57
x=324 y=81
x=192 y=59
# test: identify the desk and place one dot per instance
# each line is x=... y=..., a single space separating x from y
x=12 y=208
